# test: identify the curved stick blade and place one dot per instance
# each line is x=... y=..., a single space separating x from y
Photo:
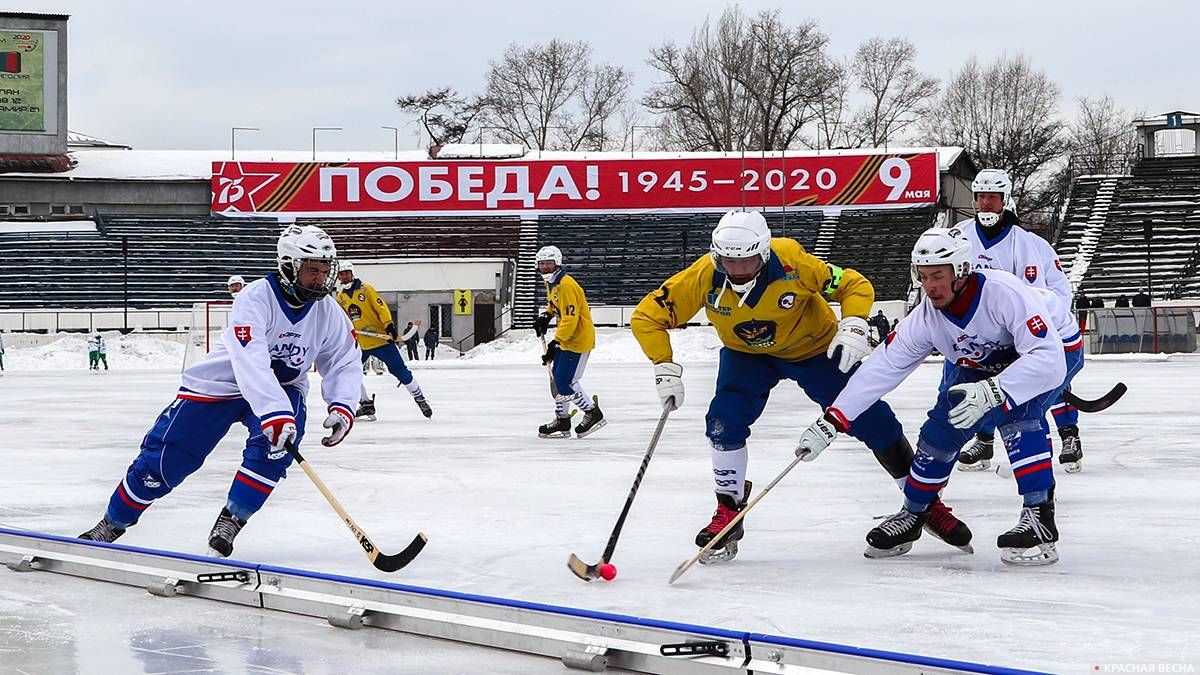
x=583 y=570
x=392 y=563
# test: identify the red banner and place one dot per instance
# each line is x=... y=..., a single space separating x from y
x=564 y=186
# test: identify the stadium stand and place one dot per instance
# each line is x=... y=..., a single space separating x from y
x=1161 y=198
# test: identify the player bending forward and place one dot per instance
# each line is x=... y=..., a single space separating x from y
x=768 y=300
x=279 y=327
x=377 y=337
x=1008 y=366
x=567 y=353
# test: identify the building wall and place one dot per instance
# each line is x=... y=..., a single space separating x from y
x=107 y=196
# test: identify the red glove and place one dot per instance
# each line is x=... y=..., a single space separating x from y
x=279 y=430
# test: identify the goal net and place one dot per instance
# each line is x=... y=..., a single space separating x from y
x=209 y=320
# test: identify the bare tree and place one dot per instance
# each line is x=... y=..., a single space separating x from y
x=552 y=95
x=1006 y=116
x=897 y=93
x=833 y=108
x=747 y=83
x=446 y=115
x=1102 y=137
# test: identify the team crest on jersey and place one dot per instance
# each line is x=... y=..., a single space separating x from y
x=787 y=300
x=354 y=312
x=1031 y=273
x=756 y=333
x=362 y=297
x=1036 y=326
x=242 y=333
x=714 y=307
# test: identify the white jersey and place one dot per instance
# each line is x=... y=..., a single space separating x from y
x=1004 y=332
x=270 y=345
x=1024 y=255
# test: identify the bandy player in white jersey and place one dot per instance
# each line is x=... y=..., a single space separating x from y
x=999 y=243
x=279 y=328
x=1006 y=364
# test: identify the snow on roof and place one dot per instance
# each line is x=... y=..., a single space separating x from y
x=187 y=165
x=22 y=226
x=76 y=139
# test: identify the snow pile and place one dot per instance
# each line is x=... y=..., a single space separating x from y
x=694 y=344
x=125 y=352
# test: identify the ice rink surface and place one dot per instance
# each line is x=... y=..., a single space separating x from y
x=503 y=509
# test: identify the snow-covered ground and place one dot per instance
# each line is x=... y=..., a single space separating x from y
x=503 y=509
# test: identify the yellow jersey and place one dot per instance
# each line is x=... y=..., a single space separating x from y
x=367 y=311
x=786 y=313
x=565 y=299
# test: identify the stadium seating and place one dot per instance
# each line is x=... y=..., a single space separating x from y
x=1163 y=194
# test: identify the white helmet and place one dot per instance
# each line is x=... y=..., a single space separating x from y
x=548 y=253
x=306 y=242
x=997 y=181
x=942 y=246
x=741 y=234
x=235 y=279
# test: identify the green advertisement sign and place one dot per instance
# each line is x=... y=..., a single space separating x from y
x=22 y=81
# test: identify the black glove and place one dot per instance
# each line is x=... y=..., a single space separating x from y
x=391 y=331
x=552 y=351
x=541 y=324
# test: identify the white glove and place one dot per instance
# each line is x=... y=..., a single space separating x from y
x=279 y=432
x=819 y=435
x=339 y=422
x=852 y=338
x=978 y=399
x=668 y=379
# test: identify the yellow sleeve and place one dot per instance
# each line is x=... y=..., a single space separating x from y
x=378 y=305
x=571 y=303
x=837 y=284
x=676 y=301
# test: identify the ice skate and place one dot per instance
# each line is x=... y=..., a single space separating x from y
x=1033 y=541
x=104 y=531
x=559 y=428
x=896 y=534
x=945 y=526
x=593 y=421
x=423 y=405
x=366 y=410
x=978 y=457
x=1071 y=457
x=224 y=531
x=727 y=547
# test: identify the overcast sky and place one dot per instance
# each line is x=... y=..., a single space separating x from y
x=177 y=74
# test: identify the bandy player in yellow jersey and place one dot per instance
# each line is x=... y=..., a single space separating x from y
x=567 y=354
x=769 y=302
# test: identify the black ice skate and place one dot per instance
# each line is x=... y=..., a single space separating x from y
x=726 y=548
x=220 y=540
x=423 y=405
x=895 y=535
x=978 y=457
x=1032 y=541
x=104 y=531
x=593 y=421
x=366 y=410
x=945 y=526
x=1071 y=457
x=559 y=428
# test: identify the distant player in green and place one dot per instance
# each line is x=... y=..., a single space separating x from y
x=97 y=351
